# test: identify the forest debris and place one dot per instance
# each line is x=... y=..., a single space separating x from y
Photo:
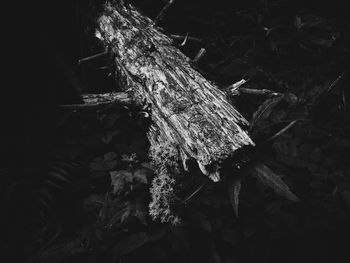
x=290 y=125
x=268 y=178
x=163 y=11
x=234 y=188
x=232 y=89
x=318 y=93
x=184 y=41
x=93 y=57
x=194 y=192
x=93 y=102
x=188 y=37
x=199 y=55
x=236 y=88
x=264 y=111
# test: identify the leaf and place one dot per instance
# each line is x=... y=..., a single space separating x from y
x=97 y=164
x=45 y=204
x=277 y=27
x=60 y=170
x=118 y=217
x=137 y=209
x=94 y=199
x=310 y=20
x=110 y=156
x=105 y=210
x=62 y=250
x=58 y=176
x=264 y=111
x=297 y=22
x=140 y=176
x=131 y=243
x=108 y=162
x=234 y=188
x=46 y=194
x=323 y=42
x=129 y=157
x=148 y=166
x=64 y=164
x=268 y=178
x=50 y=183
x=119 y=179
x=108 y=136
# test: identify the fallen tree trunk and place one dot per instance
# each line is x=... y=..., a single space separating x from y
x=191 y=117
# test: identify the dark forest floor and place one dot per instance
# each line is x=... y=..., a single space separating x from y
x=75 y=187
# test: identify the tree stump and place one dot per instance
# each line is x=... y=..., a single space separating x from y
x=191 y=117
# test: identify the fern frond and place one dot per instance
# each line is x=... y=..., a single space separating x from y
x=58 y=177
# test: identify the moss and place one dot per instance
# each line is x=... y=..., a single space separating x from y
x=163 y=196
x=166 y=157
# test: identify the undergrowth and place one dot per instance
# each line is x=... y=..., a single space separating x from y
x=90 y=198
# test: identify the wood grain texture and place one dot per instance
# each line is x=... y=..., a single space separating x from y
x=96 y=102
x=189 y=112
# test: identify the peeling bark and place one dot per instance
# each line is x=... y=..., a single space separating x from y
x=187 y=110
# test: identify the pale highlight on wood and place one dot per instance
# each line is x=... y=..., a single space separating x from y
x=189 y=112
x=93 y=102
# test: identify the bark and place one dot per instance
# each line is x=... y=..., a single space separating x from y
x=189 y=112
x=99 y=102
x=191 y=117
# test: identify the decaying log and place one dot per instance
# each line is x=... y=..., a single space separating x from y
x=192 y=119
x=187 y=109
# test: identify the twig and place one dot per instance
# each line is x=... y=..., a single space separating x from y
x=318 y=94
x=162 y=12
x=234 y=188
x=184 y=41
x=259 y=92
x=235 y=89
x=189 y=38
x=284 y=121
x=199 y=55
x=290 y=125
x=343 y=96
x=100 y=101
x=334 y=83
x=93 y=57
x=194 y=192
x=51 y=240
